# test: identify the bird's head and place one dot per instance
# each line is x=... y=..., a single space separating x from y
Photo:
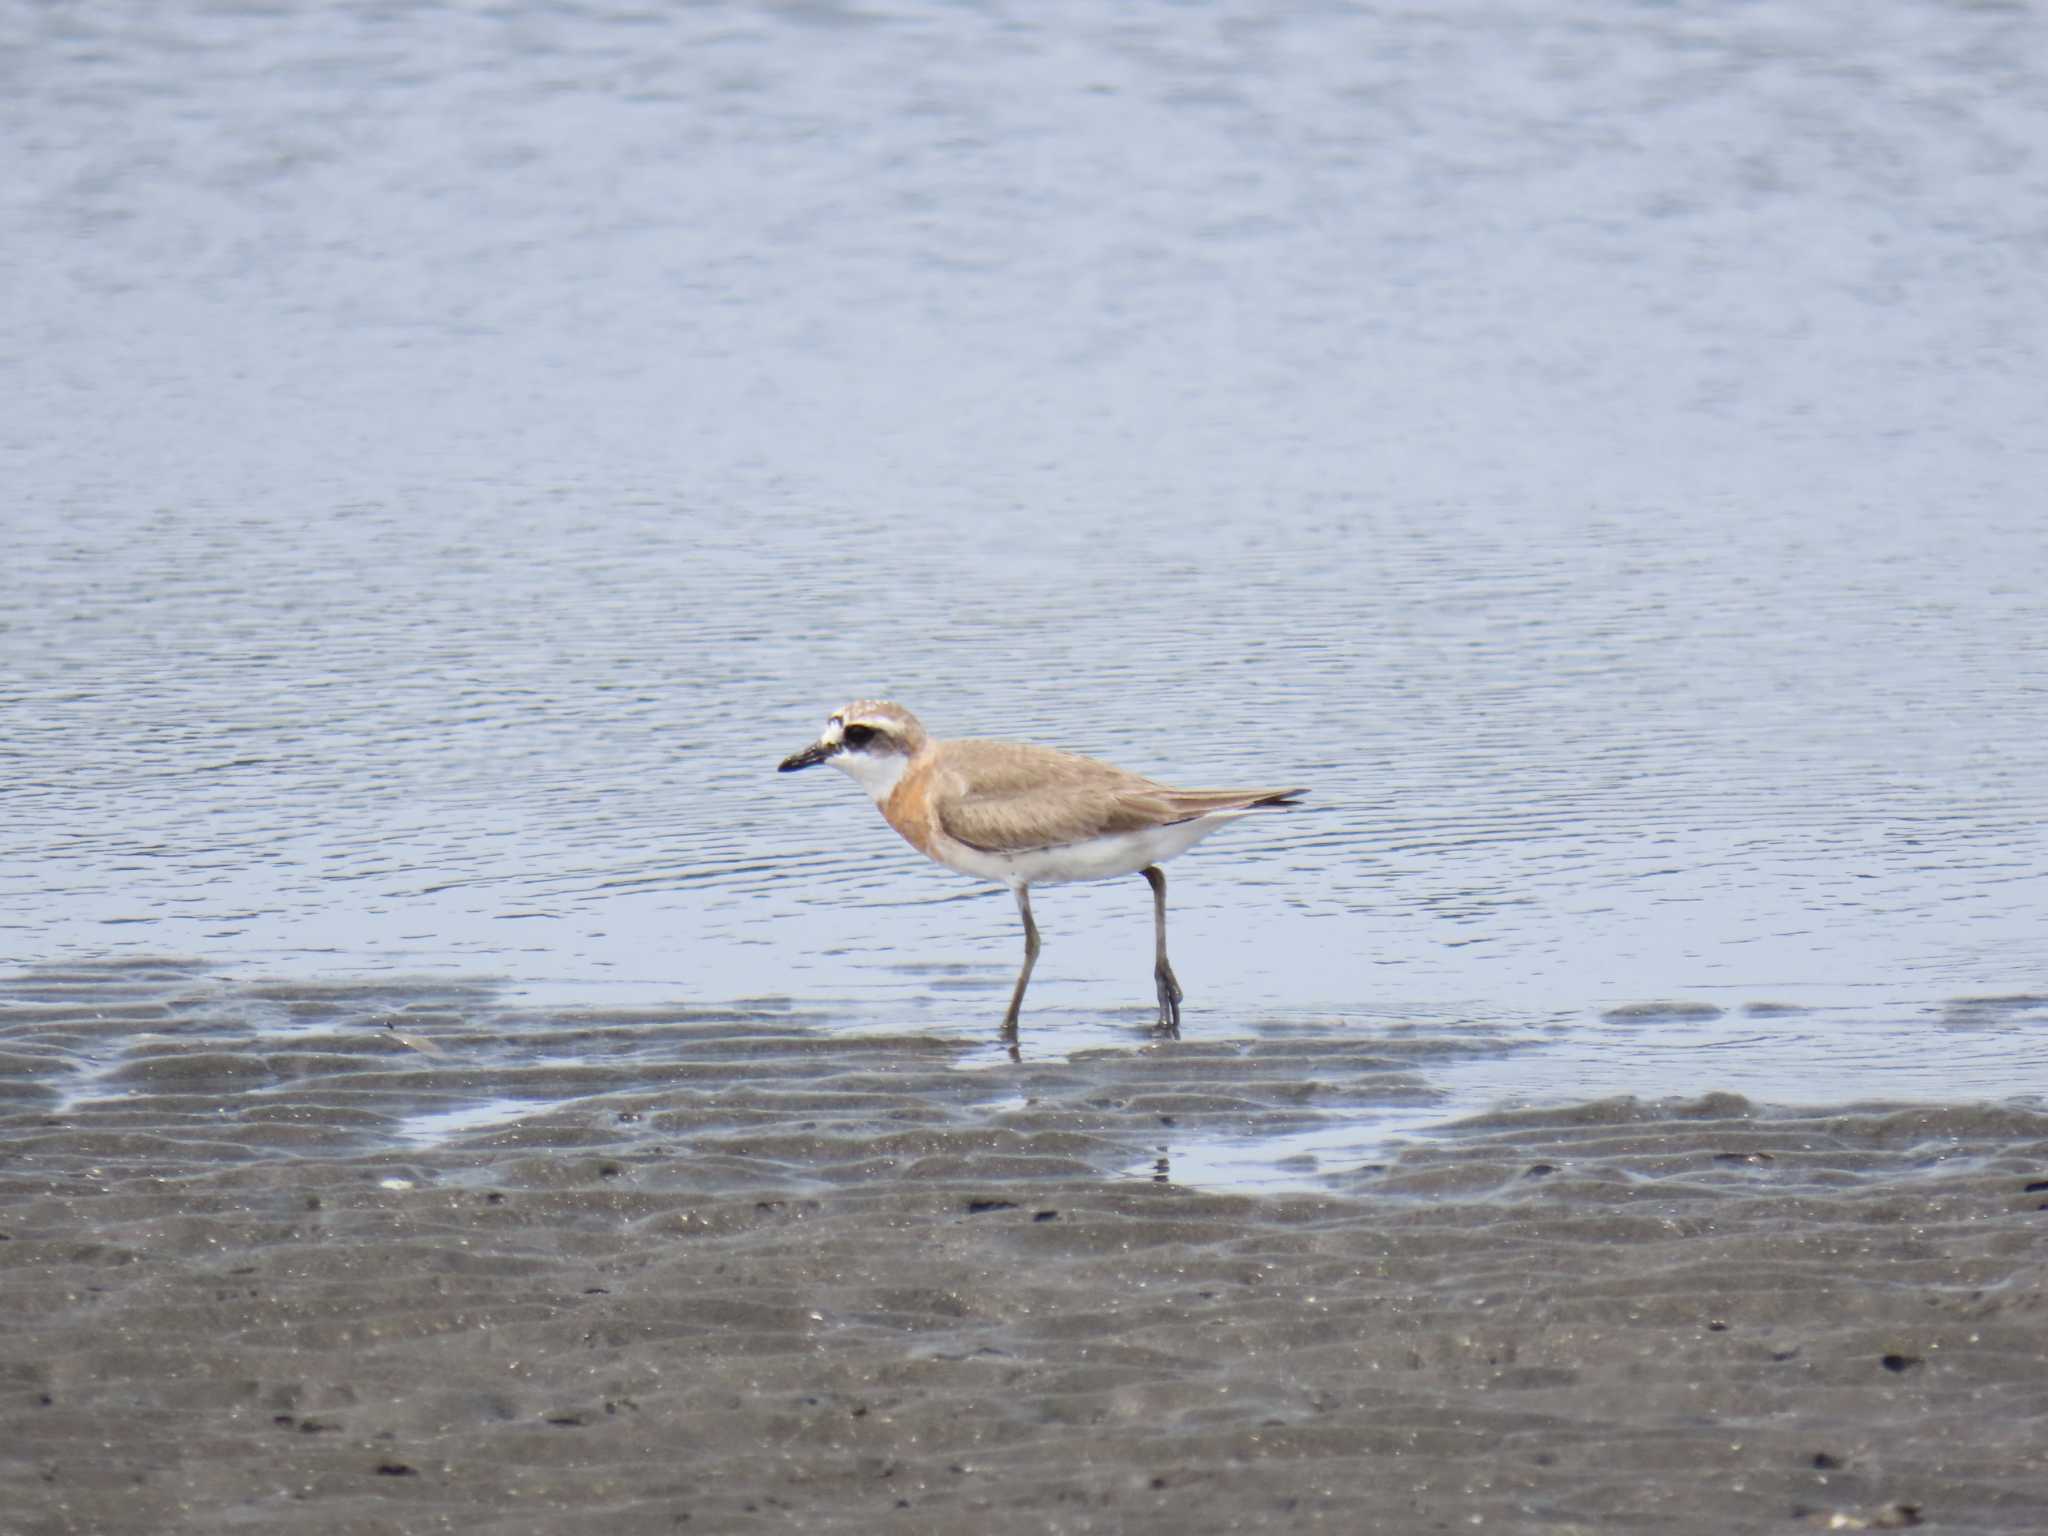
x=871 y=739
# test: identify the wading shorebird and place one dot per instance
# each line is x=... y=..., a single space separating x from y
x=1023 y=816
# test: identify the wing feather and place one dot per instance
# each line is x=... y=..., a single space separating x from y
x=1004 y=797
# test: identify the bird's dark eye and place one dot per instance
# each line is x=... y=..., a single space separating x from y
x=858 y=736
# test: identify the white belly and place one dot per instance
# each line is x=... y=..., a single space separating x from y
x=1099 y=858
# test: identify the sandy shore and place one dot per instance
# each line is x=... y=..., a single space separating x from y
x=726 y=1271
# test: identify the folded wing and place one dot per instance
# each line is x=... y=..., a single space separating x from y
x=1002 y=797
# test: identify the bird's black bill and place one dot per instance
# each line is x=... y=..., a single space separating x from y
x=810 y=757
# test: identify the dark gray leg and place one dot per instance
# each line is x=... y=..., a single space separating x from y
x=1030 y=959
x=1169 y=989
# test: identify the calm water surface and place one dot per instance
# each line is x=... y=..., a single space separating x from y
x=452 y=453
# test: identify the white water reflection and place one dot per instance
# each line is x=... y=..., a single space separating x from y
x=432 y=1128
x=1304 y=1161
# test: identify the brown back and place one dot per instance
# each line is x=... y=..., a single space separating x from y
x=1008 y=797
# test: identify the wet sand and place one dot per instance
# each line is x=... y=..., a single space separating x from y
x=397 y=1259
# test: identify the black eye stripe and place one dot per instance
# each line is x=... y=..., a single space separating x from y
x=858 y=735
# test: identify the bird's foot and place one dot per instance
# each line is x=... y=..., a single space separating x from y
x=1169 y=999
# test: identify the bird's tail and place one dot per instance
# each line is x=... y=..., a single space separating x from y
x=1189 y=803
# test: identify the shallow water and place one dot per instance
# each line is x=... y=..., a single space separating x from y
x=131 y=1057
x=452 y=455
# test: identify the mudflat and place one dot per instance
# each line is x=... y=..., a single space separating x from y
x=387 y=1258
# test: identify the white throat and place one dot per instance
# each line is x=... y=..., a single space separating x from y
x=877 y=773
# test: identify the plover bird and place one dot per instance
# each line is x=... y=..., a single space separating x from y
x=1023 y=816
